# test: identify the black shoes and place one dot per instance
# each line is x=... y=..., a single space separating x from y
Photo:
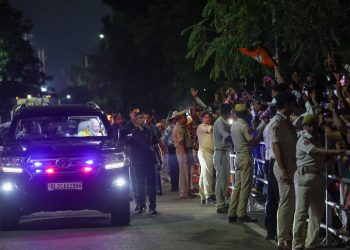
x=153 y=212
x=271 y=237
x=222 y=210
x=246 y=219
x=203 y=202
x=232 y=220
x=140 y=209
x=211 y=200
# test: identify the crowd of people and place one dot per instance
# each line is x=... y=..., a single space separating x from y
x=302 y=124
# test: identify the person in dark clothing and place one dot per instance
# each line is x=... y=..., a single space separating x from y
x=144 y=144
x=130 y=125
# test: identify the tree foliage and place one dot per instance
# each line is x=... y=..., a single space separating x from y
x=20 y=69
x=306 y=32
x=141 y=60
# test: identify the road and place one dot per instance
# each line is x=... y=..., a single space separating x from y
x=181 y=224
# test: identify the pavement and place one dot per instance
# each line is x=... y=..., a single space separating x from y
x=180 y=224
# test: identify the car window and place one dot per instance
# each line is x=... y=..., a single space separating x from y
x=59 y=127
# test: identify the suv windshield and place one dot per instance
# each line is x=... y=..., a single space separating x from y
x=59 y=127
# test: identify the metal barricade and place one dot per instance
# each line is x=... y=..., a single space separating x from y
x=339 y=206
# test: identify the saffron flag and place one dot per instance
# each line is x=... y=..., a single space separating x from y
x=260 y=55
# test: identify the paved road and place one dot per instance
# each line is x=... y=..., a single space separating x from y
x=180 y=225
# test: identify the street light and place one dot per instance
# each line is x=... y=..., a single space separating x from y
x=102 y=36
x=68 y=97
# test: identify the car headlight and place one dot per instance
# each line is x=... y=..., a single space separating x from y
x=117 y=160
x=12 y=164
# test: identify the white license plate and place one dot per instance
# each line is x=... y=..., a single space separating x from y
x=65 y=186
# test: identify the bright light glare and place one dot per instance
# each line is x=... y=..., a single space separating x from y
x=37 y=164
x=29 y=96
x=69 y=96
x=49 y=171
x=7 y=186
x=89 y=162
x=119 y=182
x=101 y=36
x=114 y=165
x=38 y=171
x=87 y=169
x=230 y=121
x=43 y=89
x=12 y=170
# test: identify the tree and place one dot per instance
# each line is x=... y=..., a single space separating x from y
x=141 y=60
x=20 y=69
x=305 y=31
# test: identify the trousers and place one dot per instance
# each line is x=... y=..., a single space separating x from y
x=286 y=207
x=205 y=157
x=243 y=185
x=222 y=167
x=272 y=197
x=146 y=177
x=173 y=167
x=184 y=173
x=310 y=196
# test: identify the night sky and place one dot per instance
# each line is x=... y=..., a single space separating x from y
x=67 y=29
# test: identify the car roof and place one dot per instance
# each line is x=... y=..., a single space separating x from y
x=53 y=110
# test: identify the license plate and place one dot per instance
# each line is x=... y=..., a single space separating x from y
x=65 y=186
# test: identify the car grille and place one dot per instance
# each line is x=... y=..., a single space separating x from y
x=61 y=165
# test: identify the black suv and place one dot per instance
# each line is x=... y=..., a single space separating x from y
x=62 y=157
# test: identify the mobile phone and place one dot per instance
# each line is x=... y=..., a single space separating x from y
x=342 y=80
x=328 y=77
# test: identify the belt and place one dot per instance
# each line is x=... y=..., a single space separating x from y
x=310 y=170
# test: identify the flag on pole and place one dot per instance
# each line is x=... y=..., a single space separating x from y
x=261 y=56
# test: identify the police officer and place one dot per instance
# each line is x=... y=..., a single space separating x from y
x=222 y=148
x=144 y=144
x=283 y=141
x=242 y=140
x=310 y=184
x=180 y=139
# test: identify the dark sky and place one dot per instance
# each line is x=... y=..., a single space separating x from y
x=67 y=29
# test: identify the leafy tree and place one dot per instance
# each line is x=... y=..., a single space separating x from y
x=141 y=60
x=304 y=31
x=20 y=69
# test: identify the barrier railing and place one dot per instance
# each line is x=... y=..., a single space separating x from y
x=339 y=206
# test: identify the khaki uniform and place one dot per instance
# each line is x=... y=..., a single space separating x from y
x=205 y=157
x=179 y=137
x=222 y=148
x=310 y=186
x=283 y=132
x=244 y=169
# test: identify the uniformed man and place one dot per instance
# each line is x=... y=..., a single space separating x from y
x=222 y=149
x=242 y=141
x=284 y=139
x=205 y=157
x=310 y=184
x=179 y=137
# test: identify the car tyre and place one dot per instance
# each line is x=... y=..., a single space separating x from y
x=120 y=215
x=9 y=219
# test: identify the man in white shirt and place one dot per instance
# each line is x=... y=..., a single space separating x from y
x=205 y=157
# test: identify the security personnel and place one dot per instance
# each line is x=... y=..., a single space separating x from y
x=310 y=184
x=144 y=143
x=222 y=149
x=242 y=141
x=283 y=141
x=180 y=139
